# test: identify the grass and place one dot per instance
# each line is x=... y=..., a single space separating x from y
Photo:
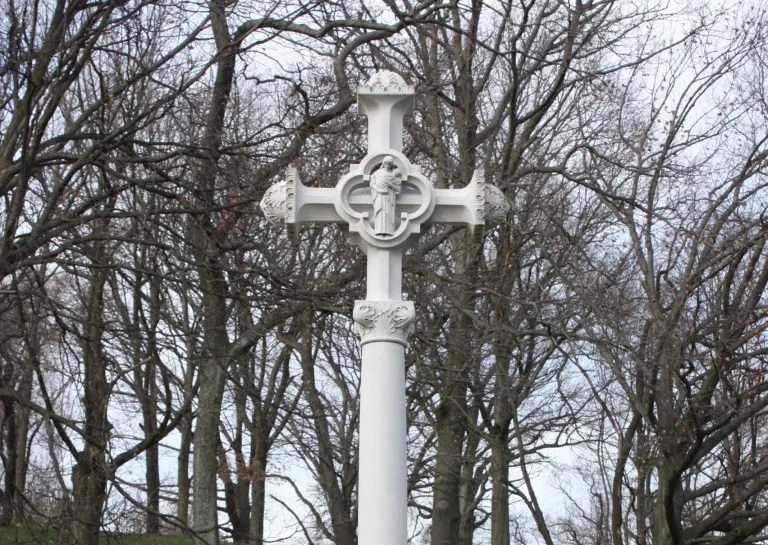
x=21 y=535
x=42 y=535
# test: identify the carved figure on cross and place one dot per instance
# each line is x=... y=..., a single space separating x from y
x=385 y=186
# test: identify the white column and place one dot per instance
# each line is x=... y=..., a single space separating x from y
x=383 y=477
x=383 y=321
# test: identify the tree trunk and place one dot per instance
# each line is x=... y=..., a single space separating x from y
x=91 y=472
x=258 y=499
x=241 y=522
x=15 y=424
x=668 y=509
x=212 y=376
x=451 y=416
x=446 y=514
x=89 y=491
x=149 y=413
x=10 y=463
x=22 y=433
x=153 y=486
x=499 y=489
x=339 y=504
x=214 y=350
x=470 y=483
x=237 y=492
x=499 y=432
x=182 y=471
x=185 y=427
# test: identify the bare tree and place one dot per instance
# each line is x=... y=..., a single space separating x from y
x=23 y=339
x=678 y=321
x=619 y=311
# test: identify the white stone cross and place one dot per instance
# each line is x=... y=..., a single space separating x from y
x=383 y=201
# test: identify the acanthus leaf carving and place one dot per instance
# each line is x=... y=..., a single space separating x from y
x=378 y=321
x=386 y=82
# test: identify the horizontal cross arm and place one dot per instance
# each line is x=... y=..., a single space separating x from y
x=290 y=203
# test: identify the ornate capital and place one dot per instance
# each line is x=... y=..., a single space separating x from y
x=390 y=321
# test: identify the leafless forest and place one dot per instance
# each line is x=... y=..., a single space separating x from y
x=592 y=371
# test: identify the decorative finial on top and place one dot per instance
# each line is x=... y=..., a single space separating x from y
x=386 y=82
x=385 y=99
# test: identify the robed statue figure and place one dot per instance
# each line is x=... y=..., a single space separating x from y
x=385 y=186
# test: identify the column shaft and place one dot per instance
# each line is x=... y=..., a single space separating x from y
x=382 y=489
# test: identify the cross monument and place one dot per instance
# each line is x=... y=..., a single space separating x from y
x=383 y=201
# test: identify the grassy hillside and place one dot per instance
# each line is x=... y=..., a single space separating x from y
x=37 y=535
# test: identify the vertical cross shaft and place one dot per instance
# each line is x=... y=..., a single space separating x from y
x=385 y=101
x=383 y=200
x=382 y=491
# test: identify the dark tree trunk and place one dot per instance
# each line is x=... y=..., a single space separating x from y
x=21 y=443
x=149 y=413
x=9 y=446
x=499 y=489
x=89 y=491
x=91 y=472
x=339 y=503
x=258 y=500
x=182 y=475
x=153 y=487
x=185 y=430
x=451 y=416
x=209 y=264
